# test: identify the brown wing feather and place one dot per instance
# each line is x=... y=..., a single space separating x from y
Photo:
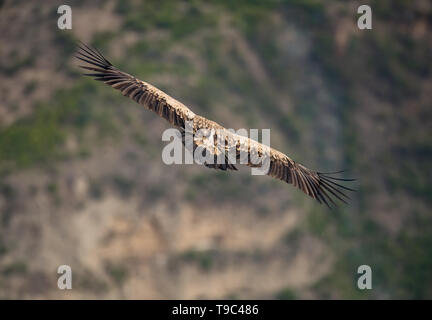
x=142 y=92
x=320 y=186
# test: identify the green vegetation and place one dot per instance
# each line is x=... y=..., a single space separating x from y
x=123 y=185
x=38 y=139
x=89 y=281
x=3 y=248
x=286 y=294
x=14 y=65
x=117 y=272
x=204 y=258
x=17 y=267
x=96 y=189
x=143 y=16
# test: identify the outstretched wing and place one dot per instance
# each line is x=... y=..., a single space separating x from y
x=323 y=187
x=320 y=186
x=142 y=92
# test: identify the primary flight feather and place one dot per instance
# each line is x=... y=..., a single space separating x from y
x=320 y=186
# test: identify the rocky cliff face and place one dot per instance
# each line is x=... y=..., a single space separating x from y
x=81 y=177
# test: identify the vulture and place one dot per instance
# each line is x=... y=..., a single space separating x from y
x=324 y=187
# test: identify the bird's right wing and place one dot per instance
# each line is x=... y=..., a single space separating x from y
x=142 y=92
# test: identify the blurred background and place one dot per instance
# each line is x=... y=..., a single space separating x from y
x=82 y=182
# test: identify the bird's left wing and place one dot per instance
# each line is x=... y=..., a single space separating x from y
x=323 y=187
x=142 y=92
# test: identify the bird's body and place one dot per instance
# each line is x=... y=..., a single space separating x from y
x=319 y=186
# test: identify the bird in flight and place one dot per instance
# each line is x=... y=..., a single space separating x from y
x=323 y=187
